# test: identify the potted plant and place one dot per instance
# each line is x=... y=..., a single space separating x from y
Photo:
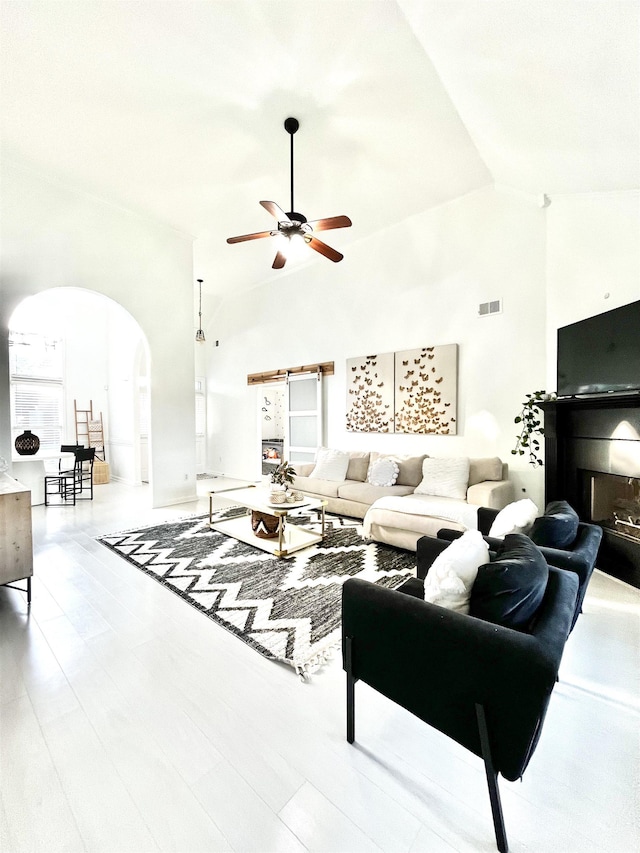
x=281 y=477
x=530 y=418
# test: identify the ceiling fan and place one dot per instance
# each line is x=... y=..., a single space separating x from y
x=293 y=225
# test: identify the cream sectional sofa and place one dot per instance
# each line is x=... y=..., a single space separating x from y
x=396 y=514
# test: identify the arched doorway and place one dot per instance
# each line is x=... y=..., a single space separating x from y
x=100 y=359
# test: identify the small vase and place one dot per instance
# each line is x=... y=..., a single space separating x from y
x=27 y=444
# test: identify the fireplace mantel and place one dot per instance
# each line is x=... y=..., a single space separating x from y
x=599 y=433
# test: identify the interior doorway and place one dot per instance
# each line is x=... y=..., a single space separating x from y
x=291 y=420
x=272 y=415
x=105 y=364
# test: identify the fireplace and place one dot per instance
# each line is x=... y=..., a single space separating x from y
x=592 y=460
x=613 y=502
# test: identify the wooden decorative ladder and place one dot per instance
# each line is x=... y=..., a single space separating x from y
x=89 y=429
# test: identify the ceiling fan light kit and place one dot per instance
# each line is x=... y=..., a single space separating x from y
x=294 y=226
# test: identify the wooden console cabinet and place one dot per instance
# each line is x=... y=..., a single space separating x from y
x=16 y=544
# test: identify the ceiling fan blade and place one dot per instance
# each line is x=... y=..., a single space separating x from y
x=279 y=261
x=244 y=237
x=331 y=222
x=325 y=250
x=275 y=210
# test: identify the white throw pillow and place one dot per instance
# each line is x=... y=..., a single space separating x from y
x=516 y=517
x=445 y=477
x=383 y=472
x=331 y=464
x=451 y=577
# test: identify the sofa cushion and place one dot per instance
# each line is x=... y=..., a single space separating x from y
x=315 y=486
x=331 y=464
x=304 y=469
x=450 y=579
x=509 y=590
x=516 y=517
x=365 y=493
x=447 y=477
x=410 y=473
x=412 y=586
x=358 y=466
x=489 y=468
x=383 y=472
x=557 y=528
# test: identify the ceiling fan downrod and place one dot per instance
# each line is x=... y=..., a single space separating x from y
x=291 y=125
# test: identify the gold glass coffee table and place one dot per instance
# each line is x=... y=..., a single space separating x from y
x=290 y=537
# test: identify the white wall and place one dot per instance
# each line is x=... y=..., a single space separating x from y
x=272 y=406
x=593 y=260
x=124 y=342
x=86 y=353
x=417 y=283
x=53 y=237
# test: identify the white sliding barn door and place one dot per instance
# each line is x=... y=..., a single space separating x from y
x=304 y=417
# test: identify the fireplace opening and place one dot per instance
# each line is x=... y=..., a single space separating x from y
x=613 y=502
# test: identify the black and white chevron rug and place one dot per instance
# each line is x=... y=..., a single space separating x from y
x=286 y=609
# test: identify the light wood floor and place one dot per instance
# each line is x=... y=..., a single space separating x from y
x=130 y=722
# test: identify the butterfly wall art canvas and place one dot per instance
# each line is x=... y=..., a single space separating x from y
x=412 y=391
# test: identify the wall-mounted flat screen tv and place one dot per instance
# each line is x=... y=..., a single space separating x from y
x=600 y=355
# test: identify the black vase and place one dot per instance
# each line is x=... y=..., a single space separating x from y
x=27 y=444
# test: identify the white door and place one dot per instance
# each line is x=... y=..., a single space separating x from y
x=304 y=417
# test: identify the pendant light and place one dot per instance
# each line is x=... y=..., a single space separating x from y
x=200 y=334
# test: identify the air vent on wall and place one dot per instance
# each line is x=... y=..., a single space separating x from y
x=486 y=308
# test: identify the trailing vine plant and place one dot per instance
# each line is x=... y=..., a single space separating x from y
x=530 y=418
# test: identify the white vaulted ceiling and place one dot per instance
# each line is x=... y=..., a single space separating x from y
x=549 y=91
x=174 y=109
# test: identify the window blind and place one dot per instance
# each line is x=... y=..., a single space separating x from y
x=38 y=406
x=36 y=364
